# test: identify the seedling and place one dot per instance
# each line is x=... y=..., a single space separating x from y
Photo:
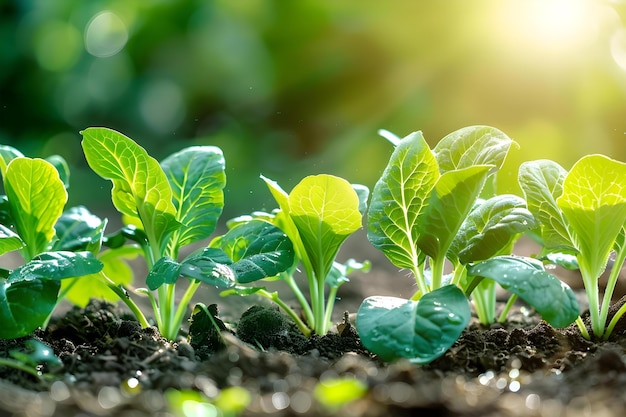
x=34 y=360
x=582 y=214
x=425 y=210
x=318 y=215
x=169 y=205
x=33 y=225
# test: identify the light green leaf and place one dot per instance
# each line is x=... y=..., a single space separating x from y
x=472 y=145
x=36 y=197
x=9 y=240
x=421 y=331
x=62 y=168
x=325 y=209
x=542 y=183
x=399 y=197
x=7 y=154
x=140 y=187
x=594 y=204
x=490 y=227
x=197 y=178
x=528 y=279
x=450 y=201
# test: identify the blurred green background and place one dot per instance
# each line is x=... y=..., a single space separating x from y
x=291 y=88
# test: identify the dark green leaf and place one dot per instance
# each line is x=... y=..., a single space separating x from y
x=210 y=266
x=56 y=266
x=528 y=279
x=421 y=330
x=25 y=305
x=77 y=229
x=164 y=271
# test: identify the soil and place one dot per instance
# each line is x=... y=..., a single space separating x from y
x=113 y=367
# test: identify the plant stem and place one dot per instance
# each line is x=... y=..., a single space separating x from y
x=610 y=288
x=330 y=305
x=123 y=295
x=436 y=268
x=614 y=321
x=505 y=312
x=289 y=279
x=582 y=328
x=184 y=303
x=20 y=366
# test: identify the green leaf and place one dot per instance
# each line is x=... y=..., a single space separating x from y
x=528 y=279
x=450 y=201
x=7 y=154
x=564 y=260
x=140 y=187
x=399 y=197
x=25 y=305
x=490 y=227
x=38 y=353
x=62 y=168
x=339 y=273
x=594 y=204
x=472 y=145
x=9 y=241
x=197 y=178
x=542 y=183
x=363 y=193
x=36 y=197
x=421 y=331
x=258 y=250
x=164 y=271
x=78 y=229
x=56 y=266
x=325 y=209
x=211 y=266
x=115 y=267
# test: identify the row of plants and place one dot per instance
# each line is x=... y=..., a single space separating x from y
x=433 y=212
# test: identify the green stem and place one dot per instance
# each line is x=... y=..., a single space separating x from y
x=418 y=273
x=436 y=268
x=610 y=286
x=614 y=321
x=590 y=282
x=482 y=298
x=123 y=295
x=319 y=307
x=582 y=328
x=20 y=366
x=505 y=312
x=184 y=303
x=153 y=303
x=330 y=305
x=308 y=312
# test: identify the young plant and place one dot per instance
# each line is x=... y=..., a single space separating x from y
x=425 y=210
x=32 y=223
x=168 y=206
x=318 y=215
x=582 y=213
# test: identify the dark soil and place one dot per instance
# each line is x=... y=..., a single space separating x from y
x=112 y=367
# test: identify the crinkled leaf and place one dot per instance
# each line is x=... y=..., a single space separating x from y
x=79 y=229
x=9 y=240
x=258 y=250
x=164 y=271
x=197 y=178
x=470 y=146
x=140 y=187
x=542 y=183
x=450 y=201
x=56 y=266
x=25 y=305
x=115 y=267
x=211 y=266
x=421 y=331
x=325 y=210
x=528 y=279
x=594 y=204
x=36 y=197
x=490 y=227
x=399 y=197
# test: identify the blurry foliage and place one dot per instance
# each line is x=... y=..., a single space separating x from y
x=294 y=88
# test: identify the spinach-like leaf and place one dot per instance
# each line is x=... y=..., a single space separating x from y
x=36 y=197
x=490 y=227
x=78 y=229
x=399 y=197
x=542 y=183
x=9 y=240
x=7 y=154
x=528 y=279
x=56 y=266
x=421 y=330
x=25 y=305
x=470 y=146
x=325 y=209
x=197 y=178
x=140 y=187
x=594 y=204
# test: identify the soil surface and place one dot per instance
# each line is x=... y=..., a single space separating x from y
x=113 y=367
